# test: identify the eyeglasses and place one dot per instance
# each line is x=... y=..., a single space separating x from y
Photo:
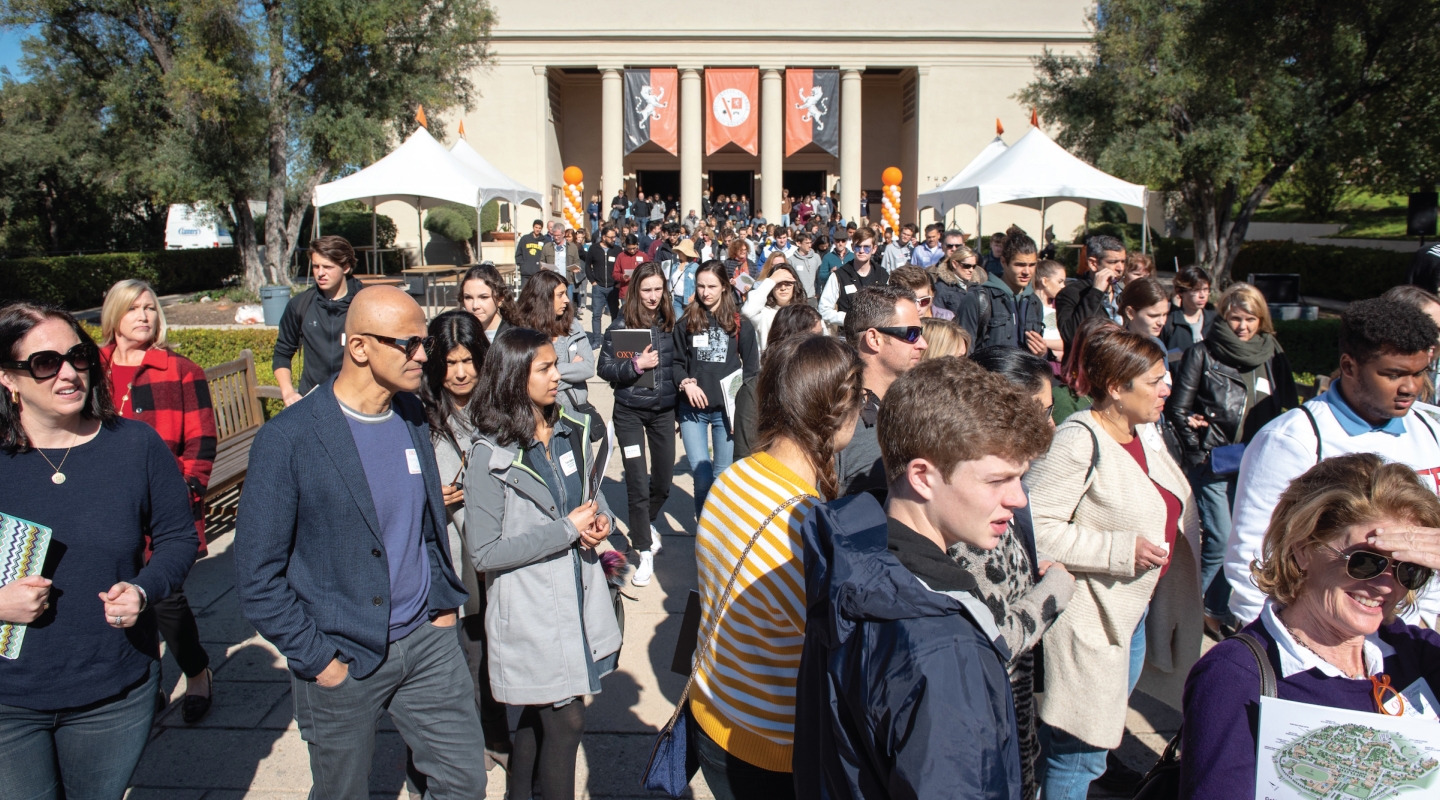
x=908 y=335
x=410 y=344
x=45 y=364
x=1363 y=565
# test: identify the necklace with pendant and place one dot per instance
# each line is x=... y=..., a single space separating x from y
x=59 y=477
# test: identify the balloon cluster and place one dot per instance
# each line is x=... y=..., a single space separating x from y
x=890 y=205
x=574 y=198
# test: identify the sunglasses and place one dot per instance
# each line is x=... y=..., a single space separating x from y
x=1363 y=565
x=924 y=302
x=45 y=364
x=409 y=344
x=864 y=248
x=953 y=246
x=909 y=335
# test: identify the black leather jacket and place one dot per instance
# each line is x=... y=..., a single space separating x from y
x=1203 y=385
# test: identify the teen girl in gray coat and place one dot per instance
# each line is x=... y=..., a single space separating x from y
x=550 y=623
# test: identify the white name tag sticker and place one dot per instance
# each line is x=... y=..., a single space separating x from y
x=567 y=463
x=850 y=288
x=701 y=340
x=632 y=451
x=412 y=461
x=1262 y=386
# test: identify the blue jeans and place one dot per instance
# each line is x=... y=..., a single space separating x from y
x=1214 y=498
x=601 y=299
x=1068 y=764
x=89 y=751
x=698 y=429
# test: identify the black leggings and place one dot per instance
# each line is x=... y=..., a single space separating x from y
x=634 y=427
x=547 y=742
x=177 y=625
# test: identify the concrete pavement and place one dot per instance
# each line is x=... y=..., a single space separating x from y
x=249 y=747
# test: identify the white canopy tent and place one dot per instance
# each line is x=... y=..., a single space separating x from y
x=423 y=173
x=1037 y=167
x=949 y=194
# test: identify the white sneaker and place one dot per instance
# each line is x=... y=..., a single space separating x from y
x=646 y=570
x=655 y=543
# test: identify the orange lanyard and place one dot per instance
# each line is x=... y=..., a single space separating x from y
x=1379 y=685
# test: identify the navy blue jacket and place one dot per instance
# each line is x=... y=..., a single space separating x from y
x=310 y=564
x=902 y=691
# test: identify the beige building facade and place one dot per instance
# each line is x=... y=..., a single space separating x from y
x=923 y=83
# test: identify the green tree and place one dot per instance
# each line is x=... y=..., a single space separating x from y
x=263 y=99
x=1219 y=99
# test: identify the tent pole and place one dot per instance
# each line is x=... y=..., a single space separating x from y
x=1145 y=228
x=1042 y=221
x=477 y=257
x=420 y=231
x=317 y=222
x=979 y=222
x=374 y=245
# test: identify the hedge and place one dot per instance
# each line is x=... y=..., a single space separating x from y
x=1339 y=273
x=209 y=347
x=1311 y=346
x=81 y=281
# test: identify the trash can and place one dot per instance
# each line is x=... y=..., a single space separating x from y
x=273 y=300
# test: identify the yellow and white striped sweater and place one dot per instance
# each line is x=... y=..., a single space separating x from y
x=744 y=694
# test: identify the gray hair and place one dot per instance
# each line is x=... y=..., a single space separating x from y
x=1097 y=246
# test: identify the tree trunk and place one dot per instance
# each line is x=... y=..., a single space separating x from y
x=302 y=205
x=244 y=229
x=277 y=245
x=52 y=225
x=1218 y=235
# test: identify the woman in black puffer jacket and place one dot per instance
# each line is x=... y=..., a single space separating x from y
x=643 y=414
x=1227 y=388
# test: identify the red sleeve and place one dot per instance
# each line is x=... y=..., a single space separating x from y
x=198 y=436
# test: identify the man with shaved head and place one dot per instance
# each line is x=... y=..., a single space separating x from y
x=344 y=565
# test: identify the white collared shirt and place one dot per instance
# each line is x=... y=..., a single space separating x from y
x=1295 y=657
x=1420 y=700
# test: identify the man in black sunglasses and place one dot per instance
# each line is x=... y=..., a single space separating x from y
x=344 y=564
x=884 y=327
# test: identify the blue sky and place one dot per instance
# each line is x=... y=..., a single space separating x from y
x=10 y=48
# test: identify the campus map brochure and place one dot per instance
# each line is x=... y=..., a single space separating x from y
x=22 y=553
x=1309 y=752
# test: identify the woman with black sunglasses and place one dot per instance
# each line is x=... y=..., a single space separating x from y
x=77 y=692
x=1329 y=621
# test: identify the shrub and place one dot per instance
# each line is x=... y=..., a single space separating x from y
x=81 y=281
x=1339 y=273
x=1311 y=346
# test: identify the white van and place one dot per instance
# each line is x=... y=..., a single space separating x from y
x=189 y=227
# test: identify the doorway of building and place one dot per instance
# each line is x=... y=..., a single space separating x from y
x=662 y=182
x=804 y=182
x=736 y=182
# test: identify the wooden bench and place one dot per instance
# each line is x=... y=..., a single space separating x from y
x=235 y=395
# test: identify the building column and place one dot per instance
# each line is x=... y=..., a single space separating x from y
x=850 y=119
x=612 y=133
x=772 y=142
x=542 y=142
x=691 y=140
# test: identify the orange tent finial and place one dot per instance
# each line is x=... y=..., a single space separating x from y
x=1034 y=118
x=462 y=127
x=420 y=116
x=999 y=129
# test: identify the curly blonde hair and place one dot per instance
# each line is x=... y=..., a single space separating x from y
x=1317 y=508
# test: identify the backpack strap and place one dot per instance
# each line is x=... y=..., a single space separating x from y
x=1095 y=453
x=1428 y=427
x=1315 y=426
x=987 y=302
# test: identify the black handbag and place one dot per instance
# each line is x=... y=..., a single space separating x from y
x=672 y=761
x=1162 y=782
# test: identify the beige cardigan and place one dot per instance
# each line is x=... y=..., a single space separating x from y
x=1091 y=527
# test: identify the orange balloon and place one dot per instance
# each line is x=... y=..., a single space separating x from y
x=891 y=176
x=574 y=175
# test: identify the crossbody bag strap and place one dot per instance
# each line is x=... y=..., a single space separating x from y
x=704 y=645
x=1262 y=660
x=1315 y=426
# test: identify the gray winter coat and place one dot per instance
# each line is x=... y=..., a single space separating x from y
x=574 y=374
x=450 y=457
x=547 y=595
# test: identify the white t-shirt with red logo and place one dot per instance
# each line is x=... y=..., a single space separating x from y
x=1286 y=448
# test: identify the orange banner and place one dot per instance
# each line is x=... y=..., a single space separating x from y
x=732 y=97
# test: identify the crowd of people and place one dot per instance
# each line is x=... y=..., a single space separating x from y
x=948 y=507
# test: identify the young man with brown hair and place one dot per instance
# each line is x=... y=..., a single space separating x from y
x=314 y=320
x=903 y=690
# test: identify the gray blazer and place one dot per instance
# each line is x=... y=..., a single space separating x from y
x=547 y=595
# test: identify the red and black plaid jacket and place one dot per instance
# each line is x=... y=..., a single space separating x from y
x=170 y=395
